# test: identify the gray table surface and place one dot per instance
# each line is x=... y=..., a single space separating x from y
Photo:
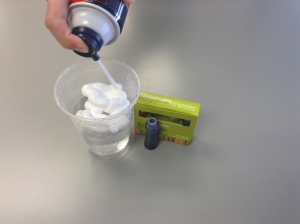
x=238 y=58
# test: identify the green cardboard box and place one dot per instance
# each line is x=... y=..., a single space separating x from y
x=177 y=118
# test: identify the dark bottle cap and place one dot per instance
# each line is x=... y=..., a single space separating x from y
x=92 y=39
x=151 y=138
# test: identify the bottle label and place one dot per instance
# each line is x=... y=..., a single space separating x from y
x=117 y=8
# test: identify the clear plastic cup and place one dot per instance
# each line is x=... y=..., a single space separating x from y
x=103 y=137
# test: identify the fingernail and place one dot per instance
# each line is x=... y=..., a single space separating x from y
x=82 y=49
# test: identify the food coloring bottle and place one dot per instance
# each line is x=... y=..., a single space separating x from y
x=151 y=138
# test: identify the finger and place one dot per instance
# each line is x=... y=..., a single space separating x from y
x=55 y=21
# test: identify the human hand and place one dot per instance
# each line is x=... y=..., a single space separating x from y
x=56 y=22
x=129 y=1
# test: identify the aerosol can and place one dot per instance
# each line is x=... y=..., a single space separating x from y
x=97 y=22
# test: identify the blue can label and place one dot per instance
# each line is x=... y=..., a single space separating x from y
x=117 y=8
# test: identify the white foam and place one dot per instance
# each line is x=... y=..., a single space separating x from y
x=113 y=105
x=103 y=101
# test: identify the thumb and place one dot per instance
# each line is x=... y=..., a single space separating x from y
x=77 y=44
